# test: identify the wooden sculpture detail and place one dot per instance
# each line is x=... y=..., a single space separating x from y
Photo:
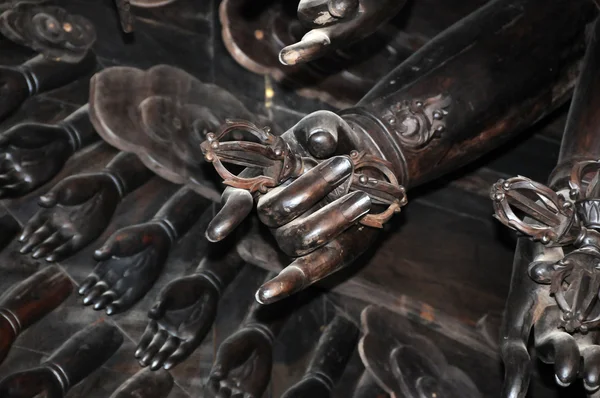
x=244 y=360
x=38 y=75
x=146 y=384
x=132 y=258
x=255 y=35
x=336 y=345
x=34 y=153
x=185 y=310
x=49 y=30
x=29 y=301
x=556 y=274
x=406 y=364
x=162 y=115
x=79 y=208
x=72 y=362
x=315 y=219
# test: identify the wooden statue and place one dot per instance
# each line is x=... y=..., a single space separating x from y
x=405 y=364
x=146 y=384
x=49 y=30
x=132 y=258
x=244 y=360
x=72 y=362
x=79 y=208
x=185 y=310
x=329 y=360
x=555 y=281
x=34 y=153
x=163 y=115
x=430 y=115
x=30 y=300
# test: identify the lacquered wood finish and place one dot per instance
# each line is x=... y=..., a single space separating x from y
x=29 y=301
x=78 y=209
x=49 y=30
x=146 y=384
x=133 y=257
x=185 y=310
x=173 y=113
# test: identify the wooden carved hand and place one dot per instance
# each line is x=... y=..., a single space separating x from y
x=243 y=364
x=33 y=153
x=185 y=311
x=133 y=257
x=335 y=24
x=130 y=261
x=78 y=209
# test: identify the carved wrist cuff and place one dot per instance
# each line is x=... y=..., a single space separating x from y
x=61 y=376
x=74 y=137
x=12 y=319
x=117 y=180
x=169 y=229
x=213 y=279
x=32 y=81
x=262 y=329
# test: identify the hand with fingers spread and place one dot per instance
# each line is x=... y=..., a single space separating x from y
x=130 y=261
x=33 y=153
x=335 y=24
x=133 y=257
x=184 y=313
x=78 y=209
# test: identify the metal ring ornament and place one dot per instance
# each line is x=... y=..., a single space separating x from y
x=280 y=163
x=554 y=214
x=271 y=154
x=390 y=192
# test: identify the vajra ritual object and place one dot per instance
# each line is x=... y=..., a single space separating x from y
x=319 y=185
x=556 y=274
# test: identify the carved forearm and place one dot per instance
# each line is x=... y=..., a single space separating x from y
x=80 y=128
x=221 y=270
x=181 y=211
x=33 y=298
x=45 y=75
x=128 y=172
x=84 y=352
x=492 y=82
x=333 y=350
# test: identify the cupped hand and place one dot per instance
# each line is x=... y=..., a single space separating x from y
x=179 y=320
x=130 y=261
x=31 y=154
x=75 y=212
x=242 y=367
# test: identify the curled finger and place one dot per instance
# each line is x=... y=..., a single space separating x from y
x=147 y=337
x=282 y=205
x=326 y=260
x=591 y=368
x=306 y=234
x=166 y=351
x=38 y=236
x=32 y=225
x=237 y=204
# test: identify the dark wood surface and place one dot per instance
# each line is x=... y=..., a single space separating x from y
x=444 y=262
